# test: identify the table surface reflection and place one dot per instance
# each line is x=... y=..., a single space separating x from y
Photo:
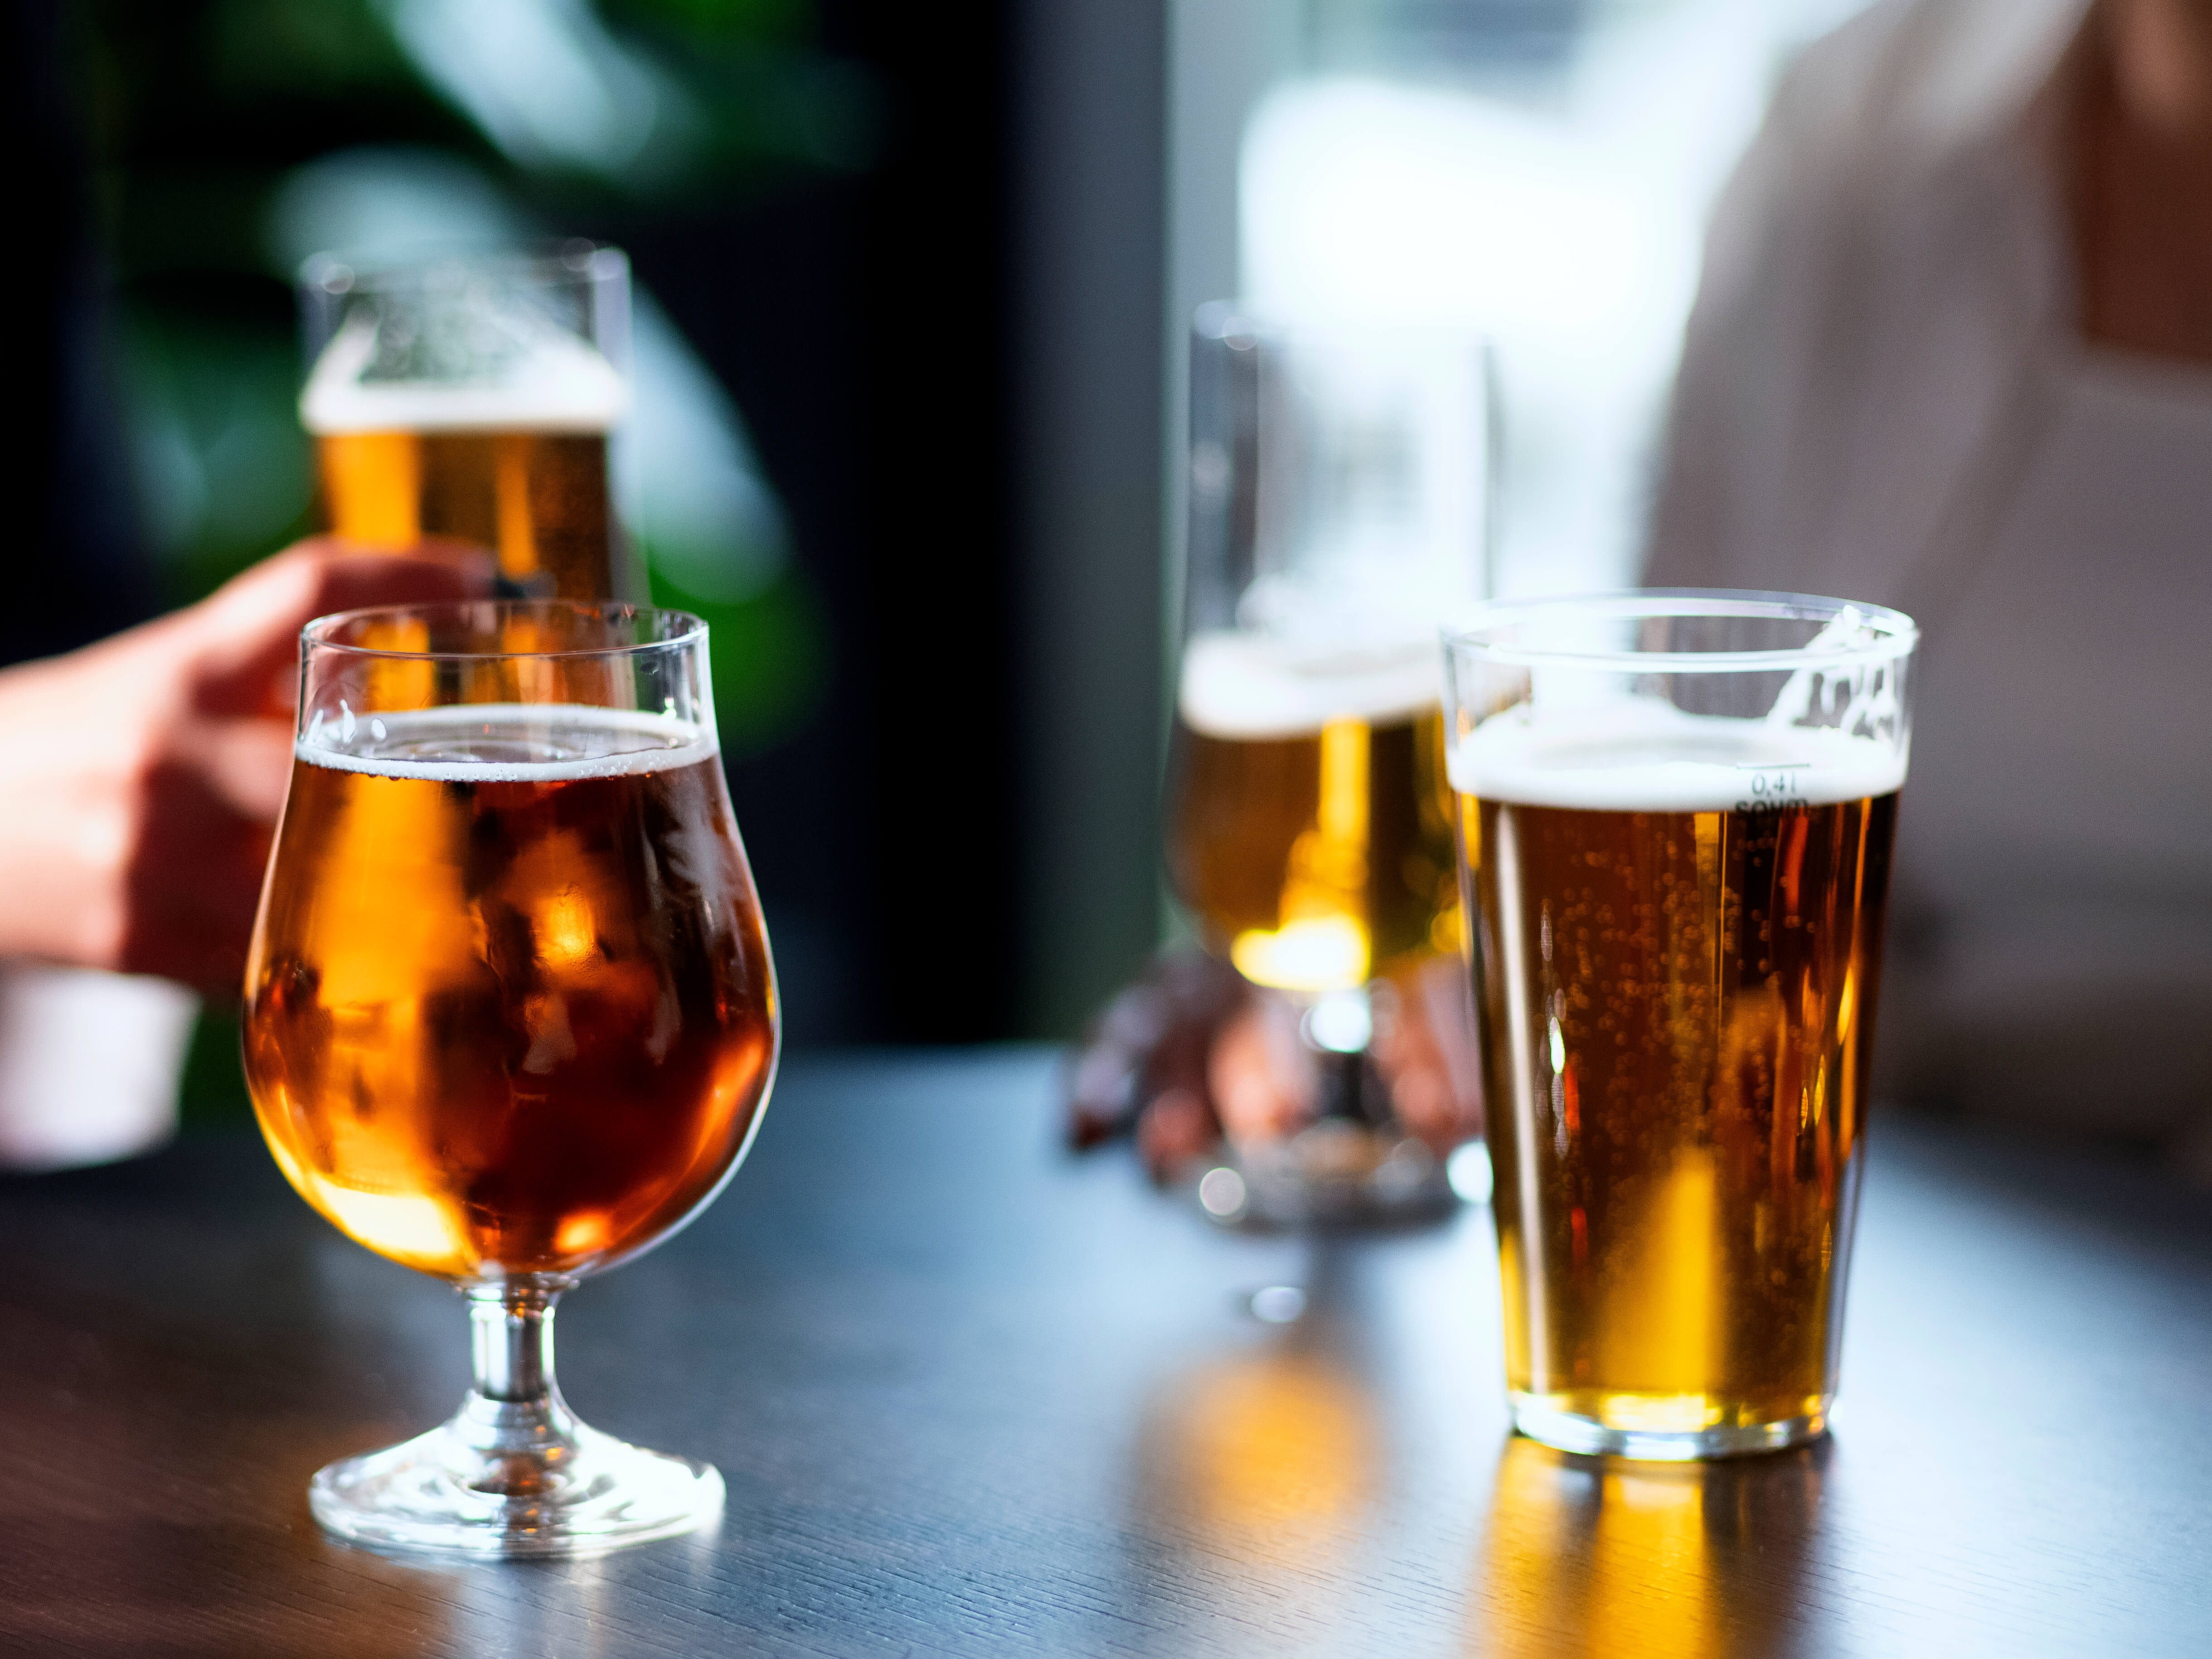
x=972 y=1396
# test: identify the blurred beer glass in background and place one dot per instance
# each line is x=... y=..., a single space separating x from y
x=510 y=1020
x=1340 y=510
x=473 y=397
x=1675 y=816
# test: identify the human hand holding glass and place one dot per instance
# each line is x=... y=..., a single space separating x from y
x=145 y=771
x=510 y=1020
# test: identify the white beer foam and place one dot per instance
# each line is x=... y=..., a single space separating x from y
x=437 y=744
x=562 y=385
x=1258 y=685
x=1640 y=755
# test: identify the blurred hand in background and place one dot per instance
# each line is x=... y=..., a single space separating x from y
x=1191 y=1055
x=144 y=774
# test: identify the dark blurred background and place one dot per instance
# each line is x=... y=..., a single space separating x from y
x=916 y=252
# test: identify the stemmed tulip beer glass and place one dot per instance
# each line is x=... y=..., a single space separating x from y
x=510 y=1019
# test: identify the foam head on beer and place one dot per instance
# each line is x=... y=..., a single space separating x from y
x=1249 y=684
x=536 y=378
x=1644 y=755
x=471 y=744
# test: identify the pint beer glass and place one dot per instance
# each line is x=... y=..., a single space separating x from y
x=510 y=1020
x=473 y=395
x=1339 y=481
x=1675 y=812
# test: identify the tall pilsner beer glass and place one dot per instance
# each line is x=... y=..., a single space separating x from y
x=473 y=397
x=509 y=1020
x=1676 y=814
x=1338 y=483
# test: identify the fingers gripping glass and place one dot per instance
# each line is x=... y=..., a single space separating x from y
x=510 y=1020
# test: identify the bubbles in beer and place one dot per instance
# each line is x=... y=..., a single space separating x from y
x=1677 y=951
x=509 y=1007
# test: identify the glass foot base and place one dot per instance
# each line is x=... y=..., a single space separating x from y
x=450 y=1492
x=1569 y=1432
x=1331 y=1173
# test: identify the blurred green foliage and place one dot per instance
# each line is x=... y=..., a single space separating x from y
x=770 y=654
x=223 y=465
x=211 y=1097
x=785 y=21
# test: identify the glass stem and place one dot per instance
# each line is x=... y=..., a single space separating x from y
x=514 y=1420
x=513 y=1342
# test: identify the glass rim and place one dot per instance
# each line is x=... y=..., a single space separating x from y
x=313 y=637
x=337 y=272
x=1895 y=634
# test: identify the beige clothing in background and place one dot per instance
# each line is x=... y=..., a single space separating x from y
x=1884 y=397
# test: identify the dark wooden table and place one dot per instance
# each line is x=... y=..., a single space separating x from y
x=972 y=1396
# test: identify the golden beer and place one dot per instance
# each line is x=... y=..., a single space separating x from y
x=519 y=466
x=1677 y=1009
x=509 y=1015
x=1311 y=826
x=539 y=500
x=1676 y=815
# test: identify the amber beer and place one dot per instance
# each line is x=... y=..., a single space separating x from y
x=509 y=1009
x=1310 y=831
x=519 y=466
x=1676 y=969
